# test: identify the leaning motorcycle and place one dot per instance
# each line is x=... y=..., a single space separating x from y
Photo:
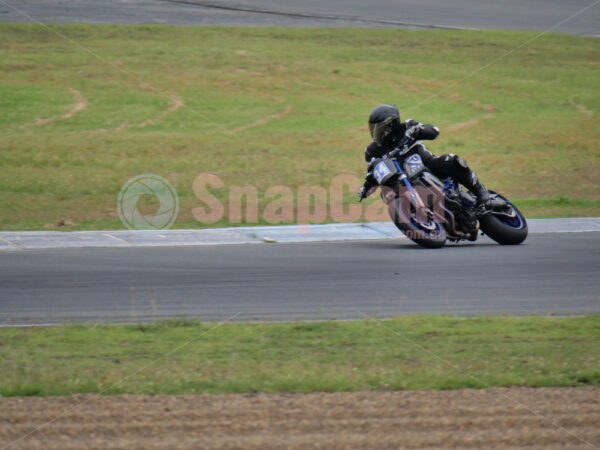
x=431 y=211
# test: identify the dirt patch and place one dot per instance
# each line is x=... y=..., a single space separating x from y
x=61 y=223
x=313 y=85
x=266 y=119
x=467 y=124
x=254 y=74
x=176 y=103
x=80 y=104
x=412 y=88
x=581 y=108
x=476 y=103
x=233 y=87
x=482 y=106
x=490 y=418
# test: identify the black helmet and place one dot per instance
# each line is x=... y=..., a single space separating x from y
x=384 y=125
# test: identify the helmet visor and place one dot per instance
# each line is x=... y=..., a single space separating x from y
x=380 y=131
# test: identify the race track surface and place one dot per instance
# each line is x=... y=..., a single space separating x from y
x=554 y=273
x=534 y=15
x=515 y=418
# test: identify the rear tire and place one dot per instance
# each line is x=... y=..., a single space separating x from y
x=505 y=230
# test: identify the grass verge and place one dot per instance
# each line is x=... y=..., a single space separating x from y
x=268 y=107
x=419 y=352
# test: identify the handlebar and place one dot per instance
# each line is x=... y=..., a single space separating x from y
x=398 y=151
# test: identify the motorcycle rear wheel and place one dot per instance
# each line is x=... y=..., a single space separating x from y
x=503 y=229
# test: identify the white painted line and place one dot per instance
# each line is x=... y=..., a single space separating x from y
x=116 y=238
x=7 y=245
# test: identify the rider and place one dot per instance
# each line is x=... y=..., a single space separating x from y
x=388 y=133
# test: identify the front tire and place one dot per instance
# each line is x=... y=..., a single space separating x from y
x=429 y=235
x=503 y=229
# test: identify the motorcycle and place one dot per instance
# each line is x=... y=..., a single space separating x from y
x=431 y=211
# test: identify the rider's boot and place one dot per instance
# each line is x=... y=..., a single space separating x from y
x=472 y=183
x=481 y=193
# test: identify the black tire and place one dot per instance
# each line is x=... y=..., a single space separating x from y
x=417 y=234
x=505 y=231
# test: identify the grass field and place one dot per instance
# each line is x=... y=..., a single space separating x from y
x=420 y=352
x=85 y=108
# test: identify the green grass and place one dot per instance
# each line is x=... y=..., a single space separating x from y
x=420 y=352
x=534 y=114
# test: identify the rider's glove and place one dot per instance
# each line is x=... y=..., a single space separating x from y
x=362 y=193
x=413 y=132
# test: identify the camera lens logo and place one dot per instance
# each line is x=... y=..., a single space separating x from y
x=148 y=184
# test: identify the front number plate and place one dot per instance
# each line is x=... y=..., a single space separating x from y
x=413 y=165
x=381 y=172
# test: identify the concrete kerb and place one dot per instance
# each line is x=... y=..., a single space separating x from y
x=19 y=240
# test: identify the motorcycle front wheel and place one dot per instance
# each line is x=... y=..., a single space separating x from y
x=426 y=233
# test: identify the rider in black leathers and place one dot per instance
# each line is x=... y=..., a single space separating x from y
x=388 y=133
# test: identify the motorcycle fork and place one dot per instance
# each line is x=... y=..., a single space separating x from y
x=417 y=207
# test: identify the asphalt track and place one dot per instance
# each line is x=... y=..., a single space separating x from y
x=549 y=274
x=555 y=273
x=533 y=15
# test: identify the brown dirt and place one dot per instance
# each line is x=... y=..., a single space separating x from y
x=313 y=85
x=483 y=107
x=581 y=108
x=491 y=418
x=467 y=124
x=266 y=119
x=80 y=104
x=176 y=103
